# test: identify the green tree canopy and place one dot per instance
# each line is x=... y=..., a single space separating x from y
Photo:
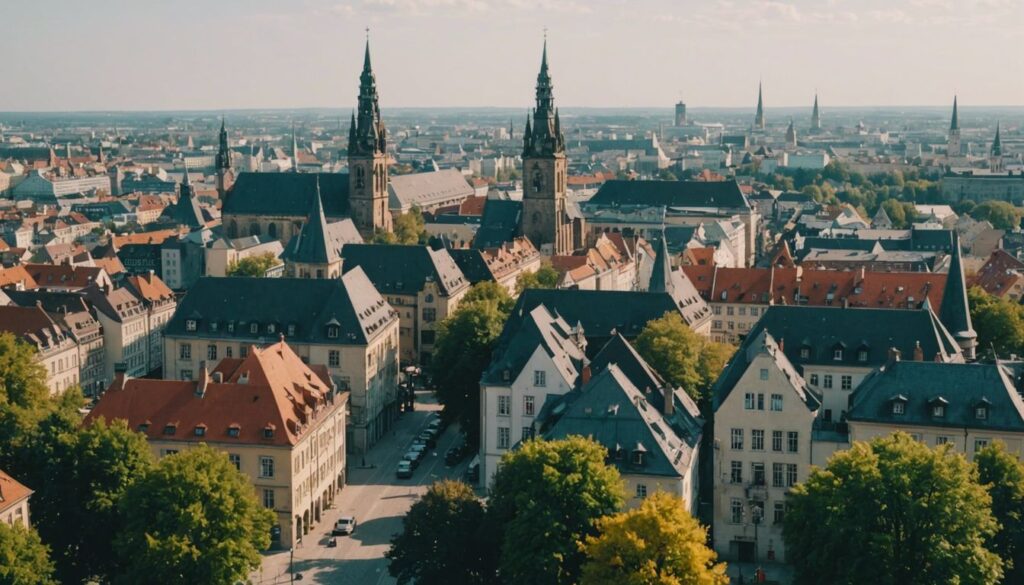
x=1003 y=474
x=488 y=290
x=442 y=540
x=24 y=559
x=682 y=357
x=892 y=512
x=1001 y=214
x=95 y=464
x=193 y=519
x=546 y=498
x=659 y=543
x=410 y=228
x=545 y=277
x=462 y=352
x=257 y=265
x=998 y=322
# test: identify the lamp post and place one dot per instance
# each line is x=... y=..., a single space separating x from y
x=756 y=515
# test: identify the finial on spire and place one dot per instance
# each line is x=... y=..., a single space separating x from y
x=366 y=55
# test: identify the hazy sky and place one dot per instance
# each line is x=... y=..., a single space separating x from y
x=223 y=54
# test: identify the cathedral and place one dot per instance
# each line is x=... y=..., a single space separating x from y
x=278 y=204
x=552 y=223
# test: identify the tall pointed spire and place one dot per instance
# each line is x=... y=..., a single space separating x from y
x=223 y=153
x=759 y=121
x=545 y=134
x=661 y=273
x=815 y=115
x=791 y=134
x=955 y=312
x=295 y=151
x=997 y=143
x=312 y=244
x=954 y=123
x=369 y=136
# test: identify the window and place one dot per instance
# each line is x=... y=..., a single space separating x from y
x=254 y=328
x=504 y=405
x=805 y=353
x=540 y=378
x=760 y=401
x=228 y=352
x=268 y=498
x=743 y=311
x=941 y=440
x=291 y=330
x=334 y=358
x=793 y=438
x=266 y=466
x=429 y=315
x=837 y=354
x=528 y=405
x=268 y=432
x=897 y=407
x=748 y=401
x=185 y=351
x=190 y=325
x=846 y=382
x=166 y=452
x=757 y=473
x=778 y=475
x=527 y=433
x=981 y=412
x=736 y=509
x=641 y=490
x=938 y=410
x=271 y=328
x=428 y=336
x=777 y=441
x=728 y=310
x=716 y=324
x=503 y=437
x=779 y=513
x=790 y=474
x=235 y=460
x=200 y=430
x=764 y=373
x=736 y=472
x=737 y=439
x=718 y=310
x=186 y=374
x=777 y=402
x=827 y=381
x=980 y=444
x=211 y=352
x=757 y=440
x=814 y=379
x=332 y=331
x=169 y=429
x=862 y=355
x=243 y=351
x=234 y=430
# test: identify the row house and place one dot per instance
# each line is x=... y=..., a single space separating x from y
x=289 y=439
x=56 y=349
x=501 y=264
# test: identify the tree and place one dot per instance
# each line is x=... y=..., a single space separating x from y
x=1003 y=474
x=682 y=357
x=442 y=540
x=489 y=290
x=1001 y=214
x=657 y=544
x=410 y=228
x=24 y=559
x=193 y=519
x=257 y=265
x=462 y=352
x=96 y=465
x=998 y=322
x=896 y=212
x=892 y=511
x=545 y=277
x=545 y=500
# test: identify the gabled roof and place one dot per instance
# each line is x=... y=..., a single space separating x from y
x=11 y=492
x=762 y=343
x=149 y=287
x=288 y=194
x=427 y=189
x=960 y=387
x=519 y=340
x=703 y=194
x=312 y=245
x=270 y=389
x=351 y=302
x=999 y=273
x=399 y=269
x=499 y=224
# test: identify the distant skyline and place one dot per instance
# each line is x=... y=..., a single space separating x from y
x=254 y=54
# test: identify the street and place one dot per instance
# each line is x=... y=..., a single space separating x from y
x=378 y=500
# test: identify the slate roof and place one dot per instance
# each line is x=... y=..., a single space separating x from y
x=427 y=189
x=270 y=388
x=716 y=194
x=500 y=223
x=398 y=269
x=757 y=344
x=520 y=338
x=287 y=194
x=219 y=305
x=472 y=264
x=955 y=312
x=823 y=329
x=922 y=384
x=312 y=245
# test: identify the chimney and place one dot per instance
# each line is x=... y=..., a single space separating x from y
x=204 y=380
x=894 y=355
x=217 y=377
x=669 y=399
x=782 y=344
x=585 y=375
x=918 y=352
x=120 y=375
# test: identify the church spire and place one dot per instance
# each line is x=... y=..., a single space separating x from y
x=955 y=312
x=544 y=138
x=223 y=153
x=759 y=121
x=295 y=150
x=997 y=143
x=369 y=136
x=954 y=123
x=815 y=116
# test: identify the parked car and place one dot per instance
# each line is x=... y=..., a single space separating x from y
x=434 y=424
x=344 y=525
x=404 y=470
x=473 y=471
x=457 y=453
x=419 y=447
x=413 y=457
x=428 y=439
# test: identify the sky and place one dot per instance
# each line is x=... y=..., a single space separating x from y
x=70 y=55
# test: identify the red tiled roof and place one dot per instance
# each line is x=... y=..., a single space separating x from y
x=16 y=275
x=150 y=287
x=269 y=389
x=155 y=237
x=64 y=275
x=11 y=491
x=472 y=206
x=111 y=264
x=1000 y=274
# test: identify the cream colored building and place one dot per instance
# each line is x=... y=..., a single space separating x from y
x=13 y=501
x=56 y=349
x=222 y=253
x=294 y=456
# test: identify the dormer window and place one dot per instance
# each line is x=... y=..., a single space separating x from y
x=981 y=412
x=333 y=331
x=213 y=327
x=254 y=328
x=190 y=325
x=639 y=454
x=200 y=430
x=938 y=410
x=271 y=328
x=805 y=353
x=837 y=353
x=291 y=330
x=170 y=428
x=231 y=326
x=234 y=430
x=143 y=427
x=898 y=408
x=268 y=432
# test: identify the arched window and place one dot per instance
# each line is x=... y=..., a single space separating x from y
x=233 y=229
x=254 y=229
x=272 y=230
x=360 y=177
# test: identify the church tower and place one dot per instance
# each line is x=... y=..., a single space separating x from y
x=680 y=120
x=995 y=158
x=545 y=219
x=953 y=146
x=759 y=116
x=791 y=135
x=223 y=163
x=367 y=159
x=815 y=117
